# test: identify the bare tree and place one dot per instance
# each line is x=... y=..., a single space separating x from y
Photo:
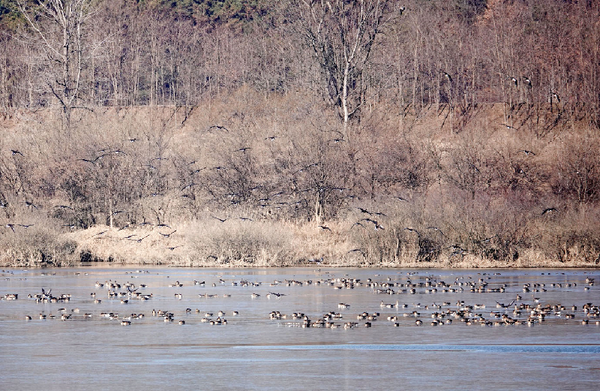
x=58 y=26
x=342 y=34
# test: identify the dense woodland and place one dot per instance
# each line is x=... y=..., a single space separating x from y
x=267 y=133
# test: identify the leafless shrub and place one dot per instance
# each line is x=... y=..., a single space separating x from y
x=36 y=247
x=241 y=243
x=578 y=168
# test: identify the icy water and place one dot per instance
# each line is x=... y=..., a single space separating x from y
x=487 y=346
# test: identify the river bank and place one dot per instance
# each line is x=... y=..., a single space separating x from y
x=241 y=244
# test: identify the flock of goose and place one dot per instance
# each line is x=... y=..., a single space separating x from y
x=514 y=304
x=517 y=312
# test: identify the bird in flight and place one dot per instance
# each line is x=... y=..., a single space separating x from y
x=375 y=222
x=218 y=127
x=168 y=235
x=412 y=230
x=217 y=218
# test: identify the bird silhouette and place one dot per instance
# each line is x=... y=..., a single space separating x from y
x=188 y=186
x=412 y=230
x=140 y=239
x=375 y=222
x=168 y=235
x=94 y=160
x=221 y=220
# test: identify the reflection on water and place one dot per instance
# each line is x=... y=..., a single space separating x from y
x=493 y=341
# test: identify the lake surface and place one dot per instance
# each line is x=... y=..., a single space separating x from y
x=487 y=346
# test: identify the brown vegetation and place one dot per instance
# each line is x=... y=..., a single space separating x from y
x=454 y=139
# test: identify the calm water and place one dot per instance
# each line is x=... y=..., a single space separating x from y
x=254 y=352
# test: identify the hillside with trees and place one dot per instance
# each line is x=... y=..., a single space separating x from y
x=461 y=133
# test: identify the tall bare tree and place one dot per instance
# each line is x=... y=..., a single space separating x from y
x=341 y=34
x=58 y=26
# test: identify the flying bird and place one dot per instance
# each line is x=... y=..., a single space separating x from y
x=221 y=220
x=412 y=230
x=375 y=222
x=168 y=235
